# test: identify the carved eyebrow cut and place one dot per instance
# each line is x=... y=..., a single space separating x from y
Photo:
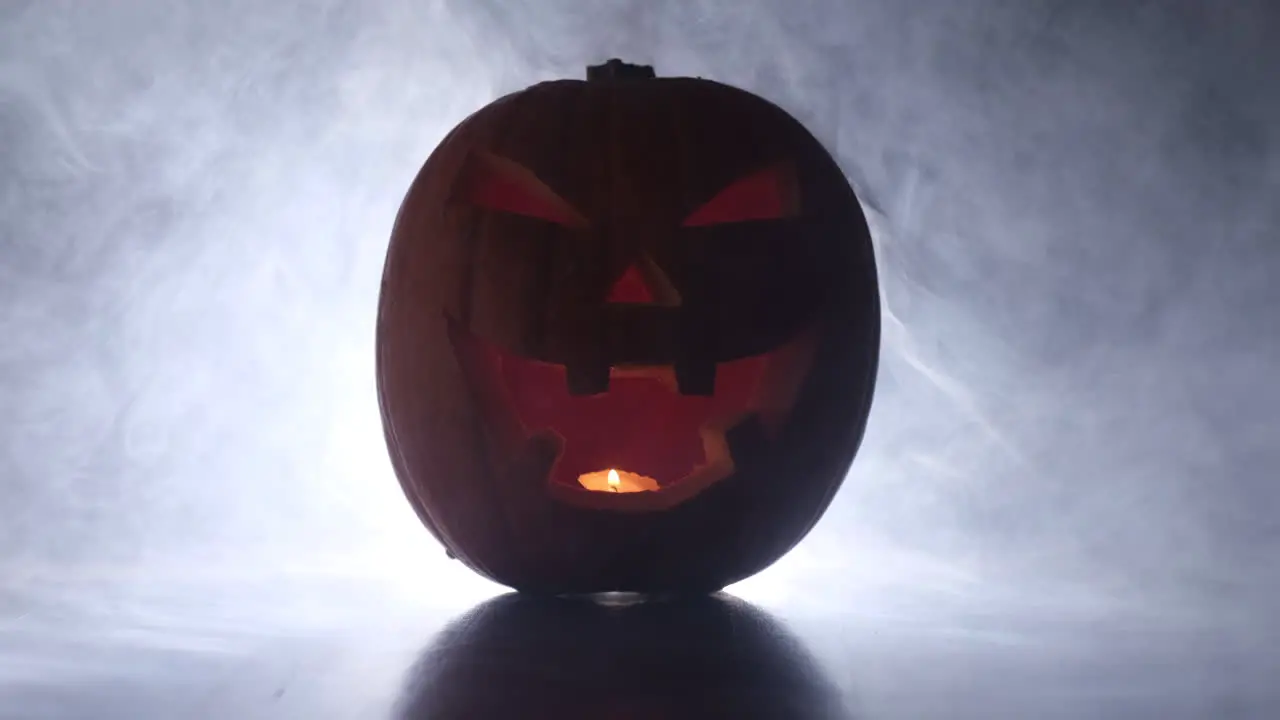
x=495 y=183
x=767 y=194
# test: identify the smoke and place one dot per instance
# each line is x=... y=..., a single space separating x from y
x=1072 y=205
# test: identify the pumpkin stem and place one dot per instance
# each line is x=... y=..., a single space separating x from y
x=615 y=69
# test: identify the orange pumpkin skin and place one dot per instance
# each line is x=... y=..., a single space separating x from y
x=666 y=276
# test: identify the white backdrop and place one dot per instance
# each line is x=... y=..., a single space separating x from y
x=1074 y=204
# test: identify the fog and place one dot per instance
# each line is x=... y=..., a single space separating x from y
x=1074 y=206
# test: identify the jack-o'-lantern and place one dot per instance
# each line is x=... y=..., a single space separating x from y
x=627 y=336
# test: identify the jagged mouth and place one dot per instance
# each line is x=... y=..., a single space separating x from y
x=667 y=443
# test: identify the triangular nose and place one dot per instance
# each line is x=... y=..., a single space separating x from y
x=631 y=288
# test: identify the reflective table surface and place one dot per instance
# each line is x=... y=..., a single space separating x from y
x=306 y=646
x=1065 y=505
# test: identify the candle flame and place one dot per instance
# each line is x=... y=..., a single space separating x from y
x=617 y=481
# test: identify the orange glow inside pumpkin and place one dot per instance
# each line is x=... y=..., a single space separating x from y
x=641 y=422
x=618 y=481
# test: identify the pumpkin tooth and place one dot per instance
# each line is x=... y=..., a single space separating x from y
x=587 y=378
x=696 y=377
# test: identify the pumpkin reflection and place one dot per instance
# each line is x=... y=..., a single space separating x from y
x=533 y=657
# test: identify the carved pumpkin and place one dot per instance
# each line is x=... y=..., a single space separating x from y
x=627 y=335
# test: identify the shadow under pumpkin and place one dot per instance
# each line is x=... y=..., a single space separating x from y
x=703 y=657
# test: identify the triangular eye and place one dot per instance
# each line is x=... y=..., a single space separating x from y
x=496 y=183
x=766 y=194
